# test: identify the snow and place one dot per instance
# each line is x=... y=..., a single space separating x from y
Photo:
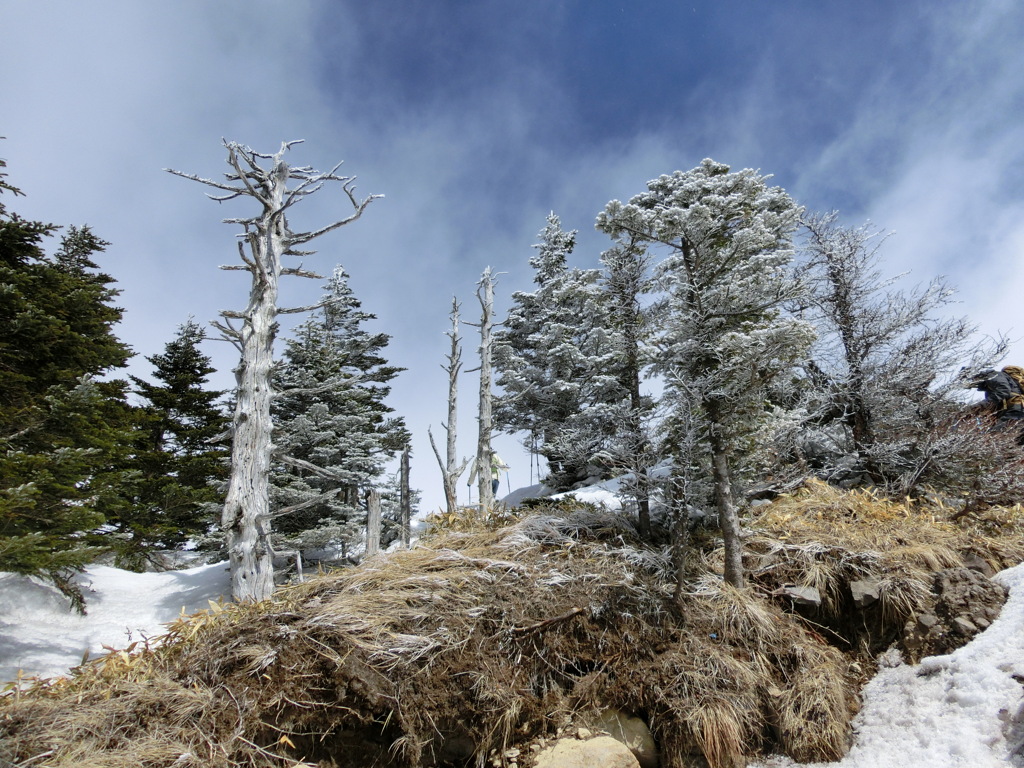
x=41 y=636
x=962 y=710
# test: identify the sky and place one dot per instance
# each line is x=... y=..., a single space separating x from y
x=477 y=119
x=961 y=710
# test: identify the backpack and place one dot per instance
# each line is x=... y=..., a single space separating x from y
x=1017 y=374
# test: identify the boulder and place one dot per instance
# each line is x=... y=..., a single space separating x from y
x=631 y=731
x=600 y=752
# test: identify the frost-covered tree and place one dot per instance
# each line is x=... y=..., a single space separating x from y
x=557 y=363
x=334 y=431
x=890 y=367
x=266 y=240
x=724 y=337
x=631 y=450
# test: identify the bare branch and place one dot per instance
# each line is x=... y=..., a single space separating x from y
x=244 y=257
x=306 y=308
x=298 y=272
x=229 y=334
x=312 y=468
x=326 y=496
x=209 y=182
x=305 y=237
x=234 y=150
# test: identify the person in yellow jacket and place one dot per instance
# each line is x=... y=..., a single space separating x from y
x=497 y=467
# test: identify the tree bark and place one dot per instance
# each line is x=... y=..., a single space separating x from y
x=373 y=523
x=246 y=515
x=728 y=515
x=405 y=502
x=485 y=294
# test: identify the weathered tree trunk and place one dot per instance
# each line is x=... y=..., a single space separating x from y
x=405 y=501
x=679 y=505
x=246 y=515
x=728 y=515
x=640 y=442
x=372 y=522
x=451 y=469
x=485 y=294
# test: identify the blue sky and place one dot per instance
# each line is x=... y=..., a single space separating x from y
x=475 y=119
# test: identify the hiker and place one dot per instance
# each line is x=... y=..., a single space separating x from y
x=1004 y=395
x=497 y=465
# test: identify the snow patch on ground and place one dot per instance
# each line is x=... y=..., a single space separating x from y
x=961 y=710
x=41 y=636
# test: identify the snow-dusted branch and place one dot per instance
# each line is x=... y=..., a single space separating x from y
x=335 y=382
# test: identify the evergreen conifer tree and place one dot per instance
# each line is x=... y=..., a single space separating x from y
x=63 y=434
x=557 y=363
x=627 y=285
x=178 y=462
x=724 y=337
x=333 y=430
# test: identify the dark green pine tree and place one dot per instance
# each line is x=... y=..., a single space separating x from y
x=63 y=433
x=178 y=460
x=333 y=430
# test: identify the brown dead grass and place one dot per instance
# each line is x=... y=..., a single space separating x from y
x=487 y=636
x=478 y=640
x=826 y=538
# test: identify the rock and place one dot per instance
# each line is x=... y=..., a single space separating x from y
x=965 y=626
x=631 y=731
x=801 y=595
x=600 y=752
x=584 y=733
x=976 y=562
x=866 y=592
x=964 y=602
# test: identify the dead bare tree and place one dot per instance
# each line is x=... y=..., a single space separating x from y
x=265 y=240
x=373 y=522
x=405 y=498
x=451 y=468
x=485 y=295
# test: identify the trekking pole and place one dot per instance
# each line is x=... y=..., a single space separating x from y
x=508 y=483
